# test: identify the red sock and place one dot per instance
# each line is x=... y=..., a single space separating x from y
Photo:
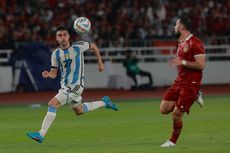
x=177 y=126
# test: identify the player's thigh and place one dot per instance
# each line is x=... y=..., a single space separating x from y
x=77 y=103
x=66 y=97
x=169 y=100
x=188 y=95
x=167 y=106
x=63 y=97
x=78 y=109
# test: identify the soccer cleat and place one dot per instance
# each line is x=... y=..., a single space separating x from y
x=36 y=136
x=199 y=100
x=168 y=143
x=109 y=104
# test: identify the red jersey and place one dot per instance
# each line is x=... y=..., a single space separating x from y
x=187 y=50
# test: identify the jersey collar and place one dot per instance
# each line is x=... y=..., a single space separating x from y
x=186 y=39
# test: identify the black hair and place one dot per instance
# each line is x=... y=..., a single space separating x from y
x=187 y=22
x=62 y=27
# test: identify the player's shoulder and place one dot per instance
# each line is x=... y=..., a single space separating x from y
x=55 y=50
x=79 y=43
x=195 y=39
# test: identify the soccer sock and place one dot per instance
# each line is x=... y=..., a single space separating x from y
x=91 y=106
x=48 y=120
x=177 y=127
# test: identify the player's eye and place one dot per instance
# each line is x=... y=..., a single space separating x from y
x=59 y=35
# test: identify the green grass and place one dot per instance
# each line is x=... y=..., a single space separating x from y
x=137 y=128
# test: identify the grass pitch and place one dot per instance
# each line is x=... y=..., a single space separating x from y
x=137 y=127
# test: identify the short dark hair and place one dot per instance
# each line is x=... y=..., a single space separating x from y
x=62 y=27
x=187 y=22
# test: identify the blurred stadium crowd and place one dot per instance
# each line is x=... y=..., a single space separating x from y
x=114 y=21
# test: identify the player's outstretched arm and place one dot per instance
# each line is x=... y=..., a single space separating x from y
x=51 y=74
x=97 y=54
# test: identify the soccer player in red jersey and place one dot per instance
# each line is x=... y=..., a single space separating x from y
x=190 y=62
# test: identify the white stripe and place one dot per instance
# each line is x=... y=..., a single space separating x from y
x=198 y=55
x=186 y=39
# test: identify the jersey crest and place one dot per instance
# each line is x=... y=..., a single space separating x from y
x=185 y=48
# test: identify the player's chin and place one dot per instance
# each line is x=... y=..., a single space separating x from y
x=63 y=42
x=176 y=33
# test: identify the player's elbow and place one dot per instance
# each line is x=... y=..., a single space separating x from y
x=201 y=66
x=93 y=46
x=53 y=75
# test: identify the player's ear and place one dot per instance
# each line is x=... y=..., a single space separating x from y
x=56 y=37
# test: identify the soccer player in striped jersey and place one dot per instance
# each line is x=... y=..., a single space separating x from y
x=69 y=60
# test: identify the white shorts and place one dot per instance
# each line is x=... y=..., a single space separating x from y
x=66 y=96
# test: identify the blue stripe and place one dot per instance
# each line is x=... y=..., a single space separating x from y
x=68 y=68
x=77 y=66
x=85 y=108
x=58 y=60
x=58 y=57
x=52 y=109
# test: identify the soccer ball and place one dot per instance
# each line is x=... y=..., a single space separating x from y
x=82 y=25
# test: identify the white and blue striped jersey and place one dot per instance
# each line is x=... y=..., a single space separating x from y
x=71 y=64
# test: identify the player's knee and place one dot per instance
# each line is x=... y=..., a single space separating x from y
x=54 y=103
x=176 y=116
x=78 y=111
x=163 y=110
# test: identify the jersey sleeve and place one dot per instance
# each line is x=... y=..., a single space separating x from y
x=198 y=48
x=83 y=45
x=54 y=60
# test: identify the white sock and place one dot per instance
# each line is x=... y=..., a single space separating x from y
x=48 y=120
x=91 y=106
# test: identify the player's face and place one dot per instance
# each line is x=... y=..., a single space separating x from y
x=177 y=27
x=62 y=37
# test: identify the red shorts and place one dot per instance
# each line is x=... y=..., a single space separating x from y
x=184 y=95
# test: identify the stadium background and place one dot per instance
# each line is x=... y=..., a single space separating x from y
x=27 y=38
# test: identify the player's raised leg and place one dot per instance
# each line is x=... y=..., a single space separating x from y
x=200 y=100
x=91 y=106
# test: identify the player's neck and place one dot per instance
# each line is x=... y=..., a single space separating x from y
x=65 y=46
x=184 y=36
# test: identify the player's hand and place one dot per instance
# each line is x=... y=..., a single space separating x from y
x=45 y=74
x=175 y=62
x=101 y=67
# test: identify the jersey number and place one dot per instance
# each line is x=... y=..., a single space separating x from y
x=67 y=63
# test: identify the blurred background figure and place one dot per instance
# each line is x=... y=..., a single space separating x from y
x=132 y=70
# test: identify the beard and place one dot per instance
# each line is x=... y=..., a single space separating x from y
x=64 y=44
x=177 y=34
